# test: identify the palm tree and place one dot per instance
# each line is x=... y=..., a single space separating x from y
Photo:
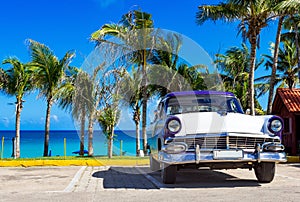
x=108 y=114
x=82 y=105
x=17 y=81
x=292 y=8
x=253 y=15
x=108 y=118
x=50 y=75
x=287 y=68
x=292 y=23
x=76 y=98
x=133 y=30
x=89 y=94
x=131 y=93
x=165 y=62
x=234 y=67
x=168 y=73
x=283 y=9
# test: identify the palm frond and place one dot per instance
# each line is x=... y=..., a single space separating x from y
x=109 y=30
x=223 y=11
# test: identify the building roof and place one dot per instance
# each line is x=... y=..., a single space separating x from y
x=289 y=97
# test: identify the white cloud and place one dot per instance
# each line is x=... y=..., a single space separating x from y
x=54 y=118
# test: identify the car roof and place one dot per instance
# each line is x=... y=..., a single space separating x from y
x=198 y=92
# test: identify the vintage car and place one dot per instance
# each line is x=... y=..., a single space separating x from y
x=209 y=129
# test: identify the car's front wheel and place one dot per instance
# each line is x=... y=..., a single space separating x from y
x=168 y=173
x=265 y=171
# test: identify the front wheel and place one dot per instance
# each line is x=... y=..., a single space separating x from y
x=168 y=173
x=265 y=171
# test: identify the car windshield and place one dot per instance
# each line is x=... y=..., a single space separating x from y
x=203 y=103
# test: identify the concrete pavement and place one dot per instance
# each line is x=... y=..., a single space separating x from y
x=117 y=183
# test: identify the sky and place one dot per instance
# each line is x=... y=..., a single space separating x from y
x=67 y=25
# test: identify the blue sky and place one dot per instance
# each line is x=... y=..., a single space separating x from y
x=67 y=24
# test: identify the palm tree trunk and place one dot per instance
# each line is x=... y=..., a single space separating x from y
x=47 y=126
x=136 y=119
x=90 y=134
x=144 y=123
x=274 y=66
x=111 y=141
x=144 y=103
x=17 y=137
x=253 y=43
x=297 y=46
x=109 y=147
x=82 y=130
x=137 y=135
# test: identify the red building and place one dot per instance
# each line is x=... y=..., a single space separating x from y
x=287 y=105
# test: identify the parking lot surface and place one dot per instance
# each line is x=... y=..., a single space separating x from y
x=117 y=183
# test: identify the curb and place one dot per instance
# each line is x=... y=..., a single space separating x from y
x=88 y=162
x=293 y=159
x=92 y=162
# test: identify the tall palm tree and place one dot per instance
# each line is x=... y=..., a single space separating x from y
x=50 y=75
x=287 y=68
x=283 y=9
x=82 y=104
x=131 y=93
x=133 y=30
x=17 y=81
x=253 y=16
x=86 y=102
x=76 y=98
x=292 y=23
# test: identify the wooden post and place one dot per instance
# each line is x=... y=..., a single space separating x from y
x=121 y=145
x=2 y=147
x=65 y=147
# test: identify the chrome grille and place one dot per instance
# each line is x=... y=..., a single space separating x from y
x=221 y=142
x=205 y=142
x=236 y=142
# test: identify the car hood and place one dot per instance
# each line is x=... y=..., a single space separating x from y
x=213 y=122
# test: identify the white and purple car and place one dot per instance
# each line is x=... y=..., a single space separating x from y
x=210 y=129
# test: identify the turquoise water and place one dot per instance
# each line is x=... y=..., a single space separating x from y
x=32 y=143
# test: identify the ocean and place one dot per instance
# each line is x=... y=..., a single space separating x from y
x=32 y=143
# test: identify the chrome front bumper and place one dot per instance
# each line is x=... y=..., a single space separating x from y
x=199 y=156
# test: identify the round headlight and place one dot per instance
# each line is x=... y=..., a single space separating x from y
x=174 y=126
x=275 y=125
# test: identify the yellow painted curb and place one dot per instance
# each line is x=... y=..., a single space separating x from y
x=93 y=162
x=82 y=162
x=128 y=162
x=293 y=159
